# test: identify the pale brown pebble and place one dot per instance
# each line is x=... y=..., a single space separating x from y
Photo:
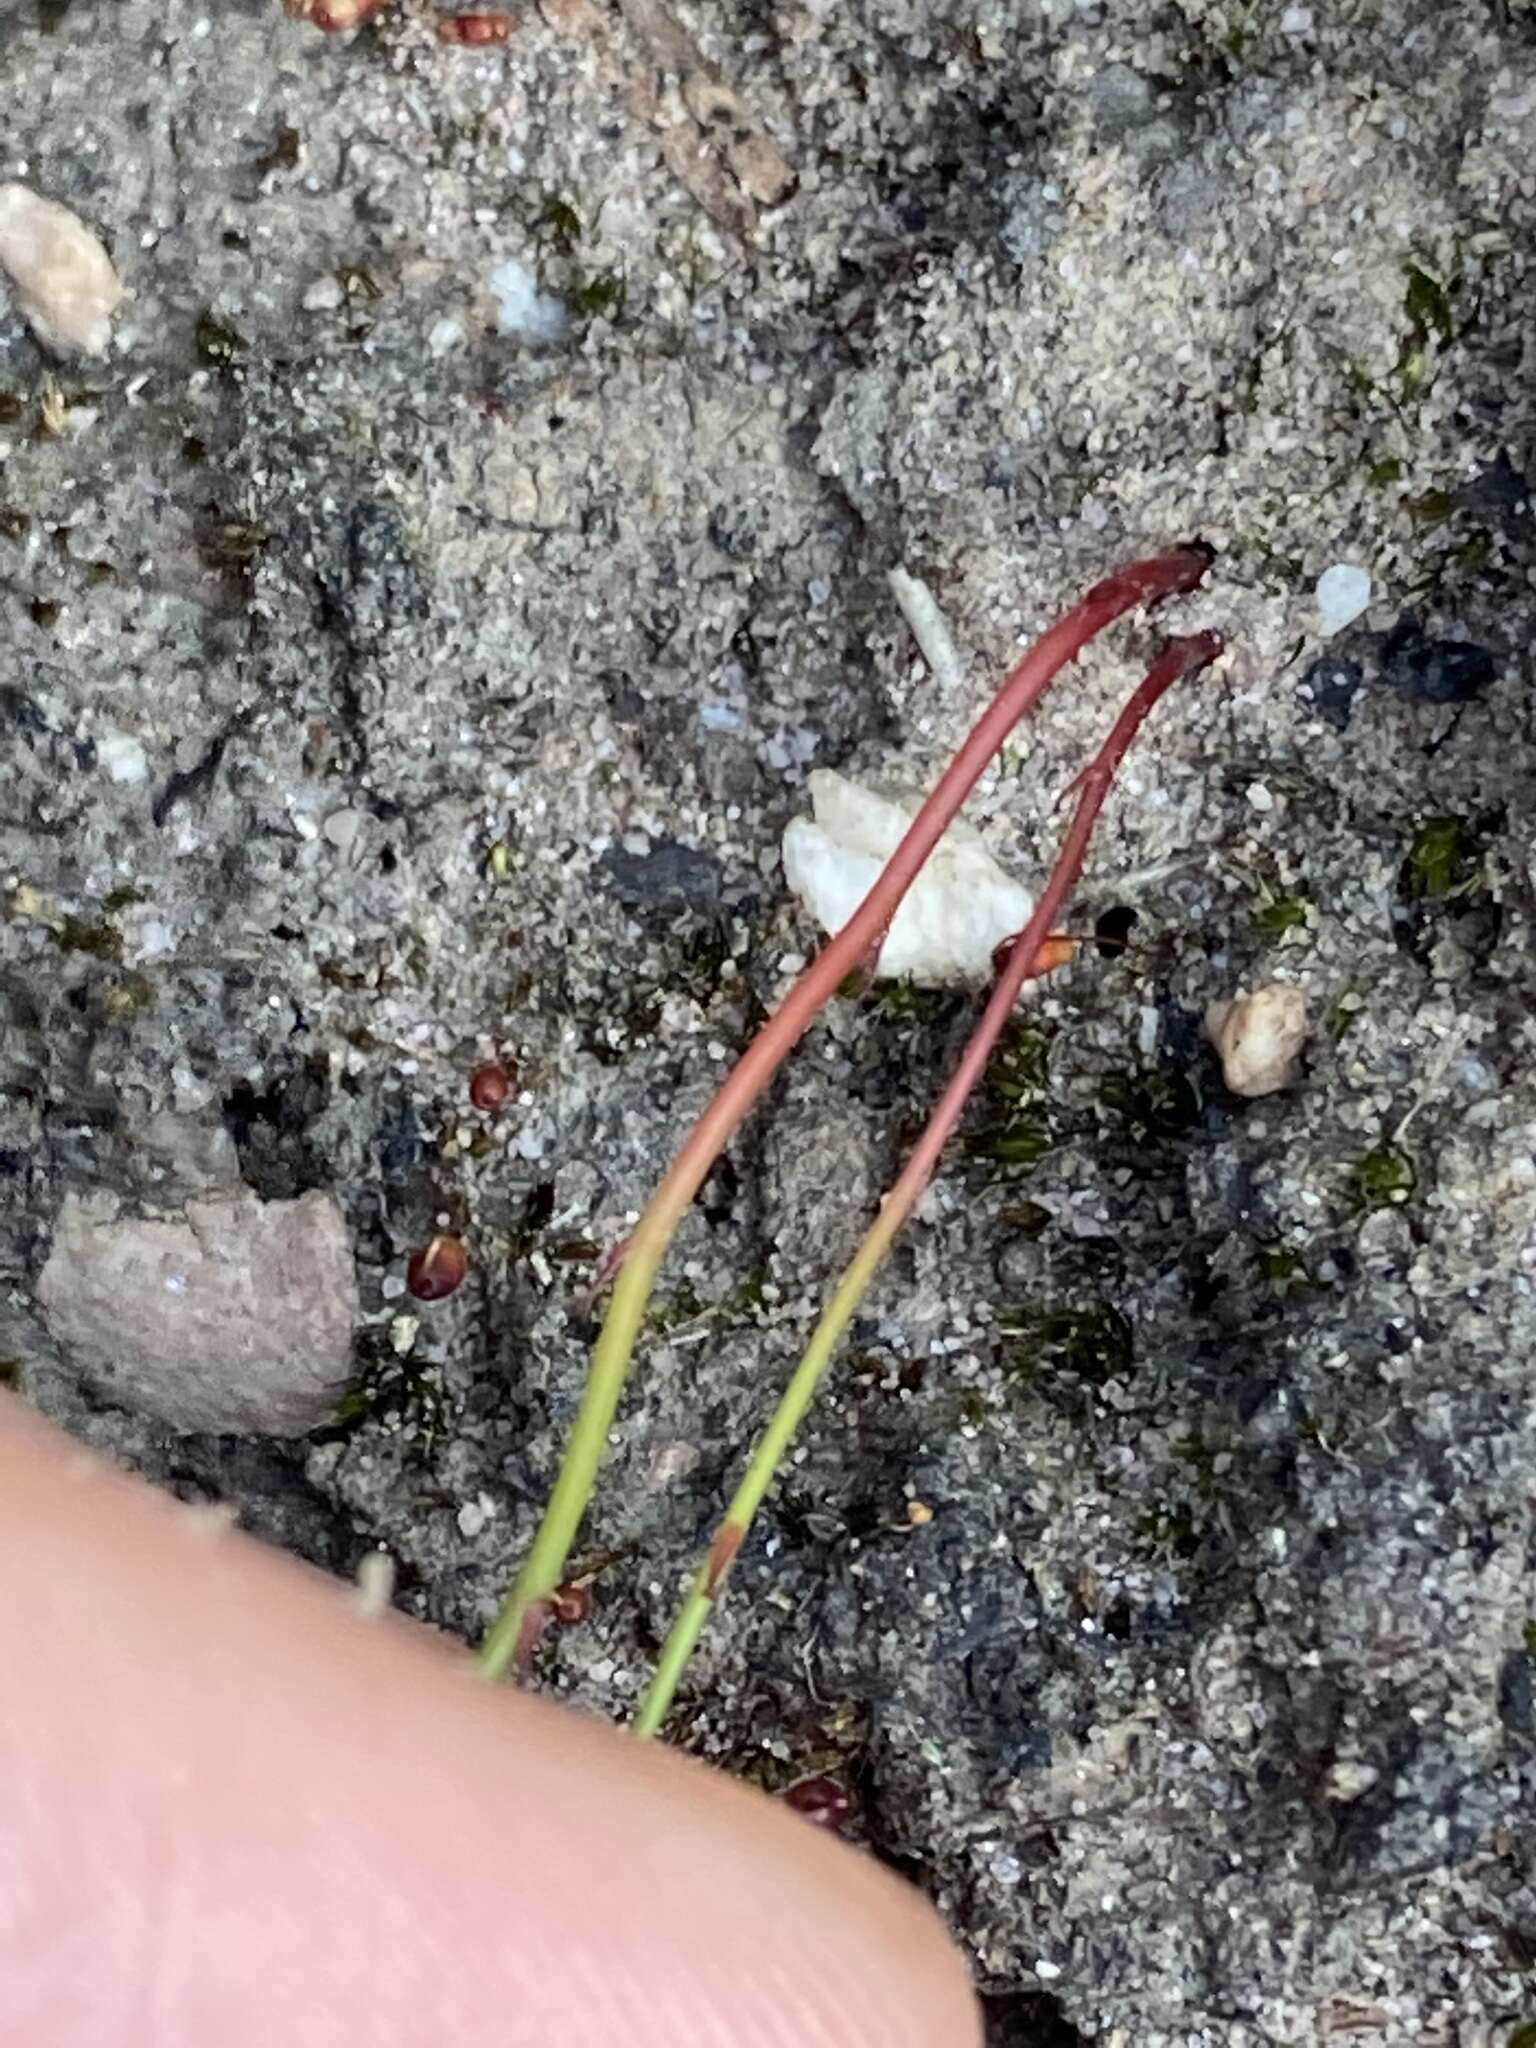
x=1258 y=1037
x=62 y=274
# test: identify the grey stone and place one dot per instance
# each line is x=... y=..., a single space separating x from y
x=238 y=1318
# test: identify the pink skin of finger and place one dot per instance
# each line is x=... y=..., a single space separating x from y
x=236 y=1808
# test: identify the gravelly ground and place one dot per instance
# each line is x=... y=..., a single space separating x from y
x=1203 y=1702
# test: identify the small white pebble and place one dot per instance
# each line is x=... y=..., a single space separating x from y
x=1296 y=21
x=1343 y=593
x=1258 y=1037
x=122 y=757
x=525 y=309
x=960 y=907
x=445 y=336
x=1260 y=796
x=62 y=274
x=341 y=829
x=471 y=1518
x=323 y=296
x=1046 y=1971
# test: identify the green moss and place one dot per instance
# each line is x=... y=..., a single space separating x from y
x=1023 y=1142
x=828 y=1744
x=389 y=1392
x=217 y=343
x=122 y=898
x=1431 y=508
x=972 y=1412
x=282 y=156
x=1388 y=470
x=129 y=996
x=619 y=1032
x=1444 y=861
x=1344 y=1012
x=1524 y=2036
x=1171 y=1532
x=1427 y=306
x=559 y=222
x=97 y=936
x=1025 y=1219
x=1283 y=1270
x=601 y=297
x=1277 y=915
x=705 y=957
x=1020 y=1067
x=903 y=1000
x=688 y=1307
x=1473 y=553
x=1157 y=1103
x=1093 y=1343
x=1384 y=1178
x=684 y=1305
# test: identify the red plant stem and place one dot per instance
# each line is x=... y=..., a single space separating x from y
x=1179 y=658
x=544 y=1567
x=1175 y=573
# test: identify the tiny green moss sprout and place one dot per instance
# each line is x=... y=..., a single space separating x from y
x=1384 y=1178
x=1093 y=1343
x=1277 y=915
x=1444 y=861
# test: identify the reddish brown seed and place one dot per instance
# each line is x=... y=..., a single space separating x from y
x=475 y=28
x=436 y=1268
x=822 y=1801
x=337 y=16
x=570 y=1604
x=490 y=1085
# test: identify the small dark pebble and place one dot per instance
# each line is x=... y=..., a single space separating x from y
x=1433 y=671
x=1333 y=684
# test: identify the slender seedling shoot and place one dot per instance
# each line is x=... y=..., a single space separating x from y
x=1179 y=658
x=527 y=1606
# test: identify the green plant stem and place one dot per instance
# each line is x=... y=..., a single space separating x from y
x=1180 y=658
x=526 y=1606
